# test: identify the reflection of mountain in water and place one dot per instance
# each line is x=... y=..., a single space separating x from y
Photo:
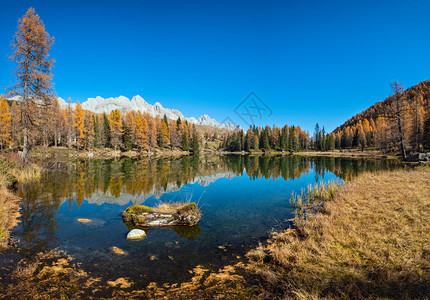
x=99 y=197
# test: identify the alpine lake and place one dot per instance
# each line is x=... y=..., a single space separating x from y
x=242 y=198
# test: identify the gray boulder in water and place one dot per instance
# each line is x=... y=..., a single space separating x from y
x=165 y=215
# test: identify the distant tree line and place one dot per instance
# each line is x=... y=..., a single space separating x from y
x=278 y=139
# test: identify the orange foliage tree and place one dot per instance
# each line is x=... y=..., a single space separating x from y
x=31 y=46
x=115 y=127
x=79 y=125
x=5 y=123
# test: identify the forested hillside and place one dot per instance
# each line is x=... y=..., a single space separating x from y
x=402 y=118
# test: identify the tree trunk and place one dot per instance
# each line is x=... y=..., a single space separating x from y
x=402 y=139
x=24 y=157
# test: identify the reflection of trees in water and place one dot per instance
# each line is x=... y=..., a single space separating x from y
x=292 y=166
x=146 y=176
x=267 y=167
x=37 y=226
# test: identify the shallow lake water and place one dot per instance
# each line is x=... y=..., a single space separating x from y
x=242 y=199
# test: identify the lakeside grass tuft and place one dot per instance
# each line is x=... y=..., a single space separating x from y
x=311 y=199
x=11 y=172
x=26 y=174
x=370 y=239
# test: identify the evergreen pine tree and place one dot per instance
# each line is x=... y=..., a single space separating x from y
x=344 y=139
x=184 y=143
x=317 y=137
x=265 y=142
x=291 y=146
x=355 y=139
x=96 y=132
x=323 y=141
x=330 y=142
x=247 y=143
x=106 y=131
x=126 y=138
x=196 y=146
x=284 y=139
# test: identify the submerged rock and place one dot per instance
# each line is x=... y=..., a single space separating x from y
x=90 y=222
x=118 y=251
x=167 y=215
x=136 y=234
x=82 y=220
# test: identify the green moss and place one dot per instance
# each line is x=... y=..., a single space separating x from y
x=135 y=210
x=138 y=209
x=140 y=219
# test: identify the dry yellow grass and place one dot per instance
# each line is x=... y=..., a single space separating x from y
x=371 y=239
x=8 y=214
x=169 y=207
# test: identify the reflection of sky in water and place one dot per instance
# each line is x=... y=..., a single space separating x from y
x=237 y=212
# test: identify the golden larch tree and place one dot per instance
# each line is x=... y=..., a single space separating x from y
x=79 y=125
x=31 y=47
x=163 y=138
x=69 y=117
x=5 y=123
x=142 y=132
x=89 y=129
x=152 y=134
x=130 y=120
x=116 y=128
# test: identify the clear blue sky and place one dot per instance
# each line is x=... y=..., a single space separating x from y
x=309 y=61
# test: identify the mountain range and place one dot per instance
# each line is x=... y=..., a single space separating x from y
x=102 y=105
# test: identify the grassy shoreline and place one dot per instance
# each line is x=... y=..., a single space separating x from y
x=8 y=215
x=370 y=240
x=12 y=172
